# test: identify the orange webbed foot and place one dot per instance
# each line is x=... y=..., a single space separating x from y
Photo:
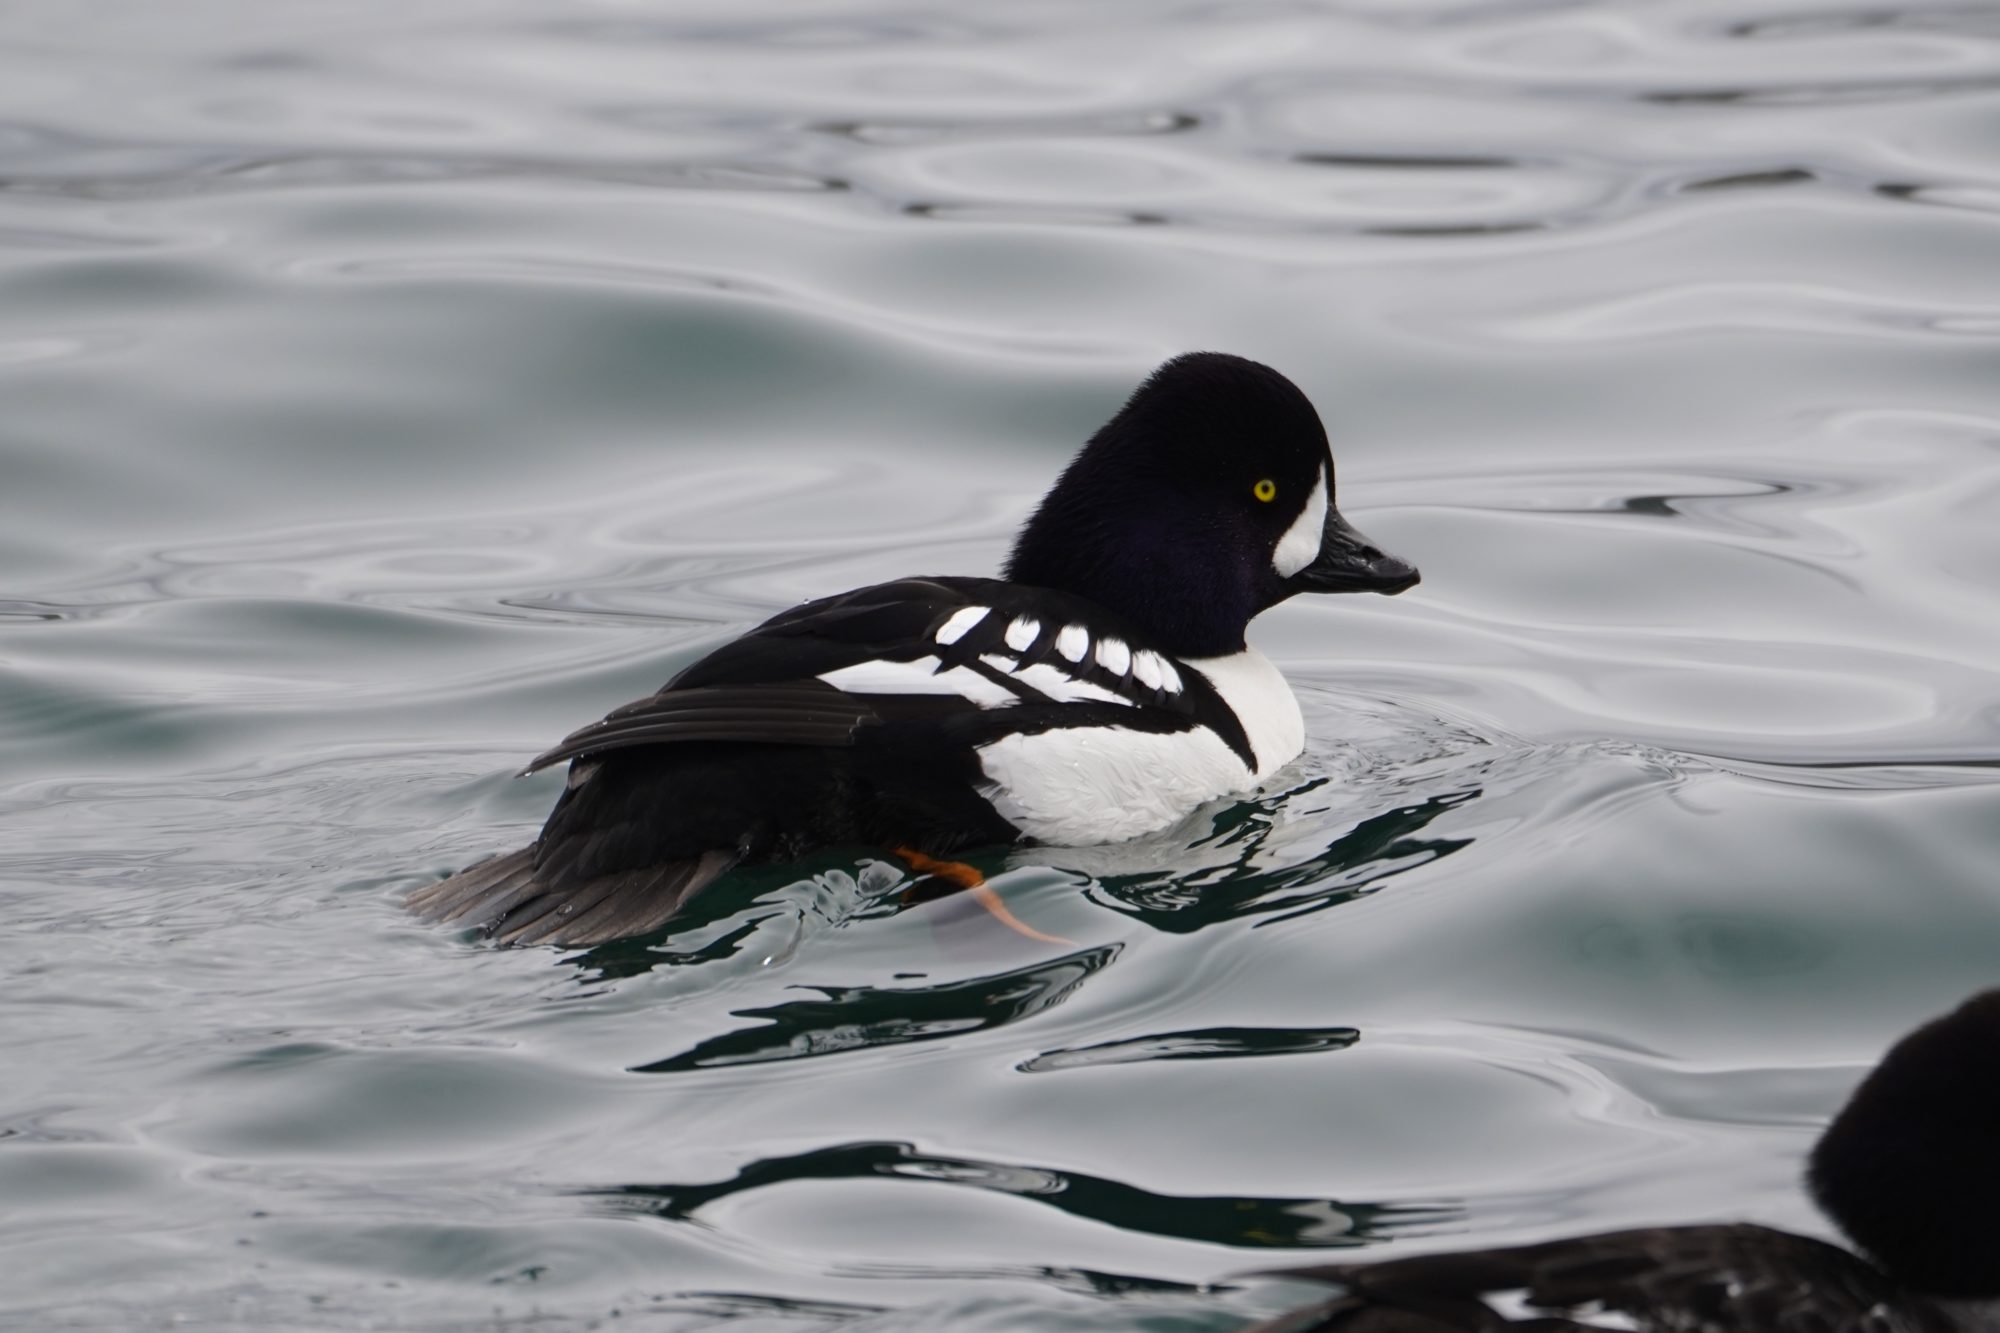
x=969 y=879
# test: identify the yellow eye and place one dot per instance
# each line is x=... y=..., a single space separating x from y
x=1265 y=490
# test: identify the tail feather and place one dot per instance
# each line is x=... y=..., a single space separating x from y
x=478 y=886
x=583 y=915
x=510 y=902
x=485 y=909
x=540 y=916
x=641 y=912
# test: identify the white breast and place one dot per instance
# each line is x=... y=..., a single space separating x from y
x=1256 y=691
x=1080 y=785
x=1074 y=786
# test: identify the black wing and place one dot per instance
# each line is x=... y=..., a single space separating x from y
x=896 y=621
x=763 y=688
x=849 y=719
x=766 y=687
x=996 y=629
x=807 y=712
x=1706 y=1279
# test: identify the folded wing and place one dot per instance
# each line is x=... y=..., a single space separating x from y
x=808 y=712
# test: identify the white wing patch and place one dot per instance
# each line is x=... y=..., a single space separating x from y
x=1058 y=685
x=1114 y=656
x=1073 y=643
x=1074 y=786
x=1263 y=702
x=1067 y=689
x=961 y=623
x=1300 y=545
x=919 y=677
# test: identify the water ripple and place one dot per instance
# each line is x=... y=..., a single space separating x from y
x=853 y=1018
x=1204 y=1044
x=390 y=391
x=1290 y=1223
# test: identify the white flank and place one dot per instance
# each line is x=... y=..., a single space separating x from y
x=1114 y=656
x=1066 y=689
x=1073 y=642
x=960 y=624
x=1075 y=786
x=1022 y=633
x=1256 y=692
x=1300 y=545
x=1146 y=666
x=919 y=677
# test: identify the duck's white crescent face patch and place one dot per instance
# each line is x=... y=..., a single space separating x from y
x=1299 y=546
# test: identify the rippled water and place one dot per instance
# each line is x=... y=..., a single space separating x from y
x=388 y=391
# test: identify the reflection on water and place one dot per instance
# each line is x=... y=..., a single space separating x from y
x=1239 y=1222
x=1205 y=1044
x=850 y=1018
x=388 y=393
x=1188 y=899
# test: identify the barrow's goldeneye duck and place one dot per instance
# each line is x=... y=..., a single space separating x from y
x=1102 y=690
x=1910 y=1169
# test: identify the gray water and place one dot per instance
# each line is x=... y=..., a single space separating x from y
x=387 y=390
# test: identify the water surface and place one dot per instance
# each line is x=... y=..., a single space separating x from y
x=389 y=392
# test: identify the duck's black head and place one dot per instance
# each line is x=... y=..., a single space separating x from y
x=1910 y=1168
x=1207 y=499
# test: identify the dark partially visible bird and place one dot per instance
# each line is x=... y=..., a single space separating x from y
x=1909 y=1169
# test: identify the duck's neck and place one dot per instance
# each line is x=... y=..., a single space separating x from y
x=1190 y=599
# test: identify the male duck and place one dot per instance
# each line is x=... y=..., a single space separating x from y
x=1102 y=690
